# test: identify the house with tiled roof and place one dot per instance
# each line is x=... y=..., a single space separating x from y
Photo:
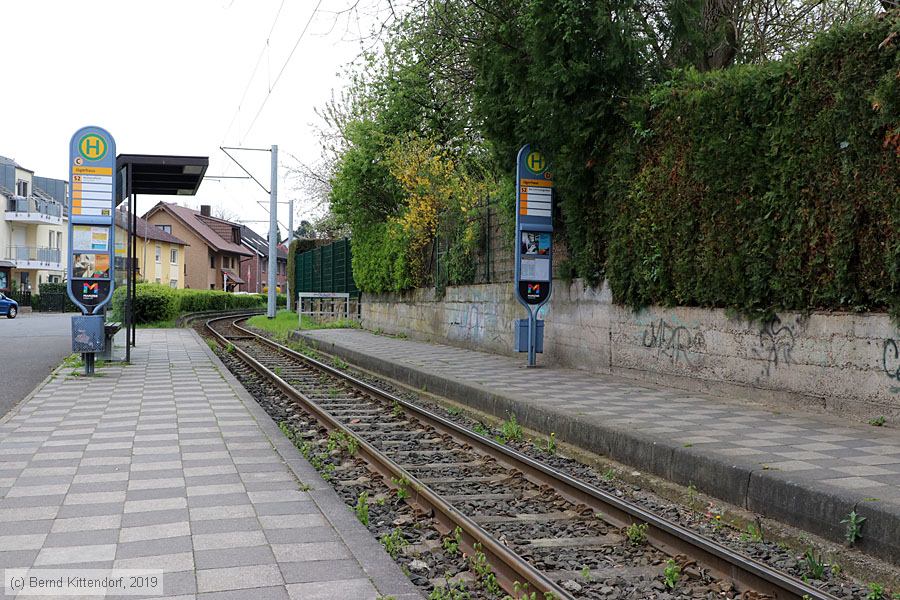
x=213 y=252
x=159 y=255
x=255 y=269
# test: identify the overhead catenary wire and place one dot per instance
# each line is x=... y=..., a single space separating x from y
x=262 y=51
x=283 y=67
x=271 y=86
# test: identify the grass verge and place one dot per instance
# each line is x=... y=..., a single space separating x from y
x=286 y=322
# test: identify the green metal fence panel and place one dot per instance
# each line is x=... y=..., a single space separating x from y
x=326 y=269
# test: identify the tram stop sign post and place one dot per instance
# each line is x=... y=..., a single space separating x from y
x=534 y=245
x=92 y=193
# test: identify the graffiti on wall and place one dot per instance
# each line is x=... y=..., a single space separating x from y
x=776 y=342
x=470 y=324
x=676 y=342
x=890 y=362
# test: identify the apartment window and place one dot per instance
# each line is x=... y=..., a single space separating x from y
x=173 y=283
x=22 y=187
x=52 y=237
x=235 y=235
x=226 y=262
x=212 y=262
x=59 y=239
x=173 y=256
x=158 y=255
x=166 y=228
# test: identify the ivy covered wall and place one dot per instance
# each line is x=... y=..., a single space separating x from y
x=762 y=187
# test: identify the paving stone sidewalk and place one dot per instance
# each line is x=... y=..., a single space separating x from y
x=169 y=464
x=806 y=469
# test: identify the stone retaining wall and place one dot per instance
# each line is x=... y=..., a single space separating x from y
x=845 y=363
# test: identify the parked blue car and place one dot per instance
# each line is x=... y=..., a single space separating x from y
x=8 y=307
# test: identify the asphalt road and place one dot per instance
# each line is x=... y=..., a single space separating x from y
x=31 y=345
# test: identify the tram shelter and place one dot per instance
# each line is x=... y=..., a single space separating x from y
x=154 y=175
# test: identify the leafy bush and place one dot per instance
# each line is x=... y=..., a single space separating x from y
x=440 y=197
x=756 y=188
x=763 y=187
x=52 y=288
x=154 y=302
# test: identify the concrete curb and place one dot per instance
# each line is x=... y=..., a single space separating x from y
x=381 y=569
x=15 y=408
x=770 y=493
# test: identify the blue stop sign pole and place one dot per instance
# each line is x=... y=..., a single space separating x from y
x=91 y=258
x=534 y=245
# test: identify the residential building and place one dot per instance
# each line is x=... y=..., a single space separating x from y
x=255 y=269
x=159 y=256
x=33 y=228
x=213 y=246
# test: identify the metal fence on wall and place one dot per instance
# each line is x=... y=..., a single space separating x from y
x=329 y=268
x=493 y=258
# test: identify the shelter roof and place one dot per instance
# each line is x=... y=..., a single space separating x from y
x=163 y=175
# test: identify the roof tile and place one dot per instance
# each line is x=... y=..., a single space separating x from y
x=147 y=230
x=196 y=221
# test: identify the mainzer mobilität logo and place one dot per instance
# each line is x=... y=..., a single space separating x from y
x=92 y=146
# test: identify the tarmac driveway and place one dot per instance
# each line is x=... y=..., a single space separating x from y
x=31 y=345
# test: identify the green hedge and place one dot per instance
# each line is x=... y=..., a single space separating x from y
x=53 y=290
x=154 y=302
x=760 y=188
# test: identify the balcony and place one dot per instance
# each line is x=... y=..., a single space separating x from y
x=33 y=210
x=33 y=257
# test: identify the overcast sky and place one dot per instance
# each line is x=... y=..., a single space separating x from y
x=166 y=77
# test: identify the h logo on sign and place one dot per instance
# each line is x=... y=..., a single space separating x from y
x=536 y=162
x=92 y=147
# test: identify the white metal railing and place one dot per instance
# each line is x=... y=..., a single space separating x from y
x=18 y=204
x=324 y=306
x=33 y=254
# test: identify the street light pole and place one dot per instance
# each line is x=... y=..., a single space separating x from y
x=290 y=257
x=273 y=233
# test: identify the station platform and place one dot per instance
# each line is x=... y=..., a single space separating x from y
x=806 y=470
x=169 y=464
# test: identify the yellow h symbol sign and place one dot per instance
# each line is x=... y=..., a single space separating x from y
x=536 y=162
x=92 y=147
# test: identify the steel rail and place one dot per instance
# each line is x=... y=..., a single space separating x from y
x=510 y=569
x=746 y=573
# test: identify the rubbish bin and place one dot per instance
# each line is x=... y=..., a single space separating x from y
x=522 y=336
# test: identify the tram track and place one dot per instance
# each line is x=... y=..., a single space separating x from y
x=532 y=523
